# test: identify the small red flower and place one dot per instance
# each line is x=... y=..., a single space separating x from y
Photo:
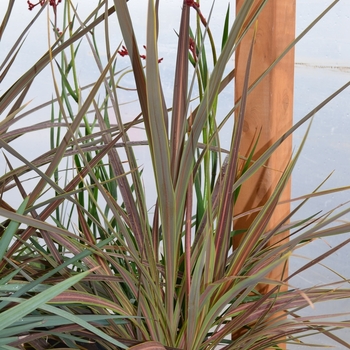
x=53 y=3
x=195 y=5
x=124 y=52
x=192 y=47
x=58 y=31
x=192 y=3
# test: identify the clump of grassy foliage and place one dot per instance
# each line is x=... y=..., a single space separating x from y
x=86 y=258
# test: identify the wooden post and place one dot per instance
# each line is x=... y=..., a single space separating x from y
x=269 y=107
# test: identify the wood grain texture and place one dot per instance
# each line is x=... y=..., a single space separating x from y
x=269 y=108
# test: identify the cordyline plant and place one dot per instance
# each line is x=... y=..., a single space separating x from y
x=87 y=260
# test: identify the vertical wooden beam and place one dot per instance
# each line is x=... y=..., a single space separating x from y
x=269 y=106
